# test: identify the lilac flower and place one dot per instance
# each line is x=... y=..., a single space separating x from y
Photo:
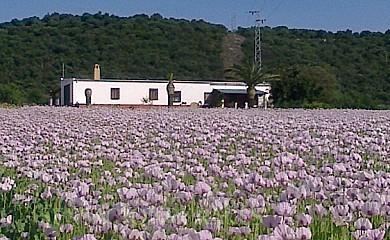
x=184 y=196
x=5 y=222
x=340 y=210
x=46 y=195
x=371 y=209
x=114 y=215
x=79 y=202
x=292 y=193
x=303 y=233
x=317 y=209
x=85 y=237
x=135 y=234
x=43 y=225
x=149 y=155
x=180 y=220
x=159 y=235
x=57 y=217
x=243 y=216
x=282 y=178
x=24 y=234
x=234 y=231
x=66 y=228
x=202 y=188
x=267 y=237
x=171 y=184
x=271 y=221
x=205 y=235
x=50 y=233
x=155 y=198
x=244 y=230
x=375 y=234
x=127 y=194
x=46 y=178
x=284 y=232
x=363 y=224
x=7 y=184
x=285 y=209
x=304 y=219
x=213 y=225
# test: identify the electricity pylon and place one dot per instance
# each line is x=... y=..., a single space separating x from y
x=258 y=22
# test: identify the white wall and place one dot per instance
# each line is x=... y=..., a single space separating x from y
x=132 y=91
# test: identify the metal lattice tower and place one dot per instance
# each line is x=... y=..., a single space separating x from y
x=258 y=22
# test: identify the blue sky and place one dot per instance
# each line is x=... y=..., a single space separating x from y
x=329 y=15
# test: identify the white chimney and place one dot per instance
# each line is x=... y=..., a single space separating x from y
x=96 y=72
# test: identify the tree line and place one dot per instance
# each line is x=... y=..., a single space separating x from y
x=316 y=68
x=326 y=69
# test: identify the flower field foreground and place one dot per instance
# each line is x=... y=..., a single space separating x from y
x=107 y=173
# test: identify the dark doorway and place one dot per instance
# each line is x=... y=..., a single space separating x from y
x=67 y=95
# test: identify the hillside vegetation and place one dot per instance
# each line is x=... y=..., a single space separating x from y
x=342 y=69
x=317 y=68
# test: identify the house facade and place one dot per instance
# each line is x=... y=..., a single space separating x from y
x=99 y=91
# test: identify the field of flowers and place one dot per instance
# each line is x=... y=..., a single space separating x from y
x=107 y=173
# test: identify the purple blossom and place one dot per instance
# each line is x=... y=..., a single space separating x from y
x=85 y=237
x=285 y=232
x=285 y=209
x=153 y=168
x=363 y=224
x=303 y=233
x=202 y=188
x=271 y=221
x=213 y=225
x=159 y=235
x=375 y=234
x=304 y=219
x=50 y=233
x=180 y=220
x=371 y=208
x=5 y=222
x=66 y=228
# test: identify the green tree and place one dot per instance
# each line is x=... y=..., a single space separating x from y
x=251 y=74
x=305 y=86
x=12 y=94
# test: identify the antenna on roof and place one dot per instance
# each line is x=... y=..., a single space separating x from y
x=258 y=22
x=63 y=70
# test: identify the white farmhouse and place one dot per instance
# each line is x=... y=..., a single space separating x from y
x=98 y=91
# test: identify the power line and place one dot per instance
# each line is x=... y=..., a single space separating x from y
x=276 y=8
x=262 y=7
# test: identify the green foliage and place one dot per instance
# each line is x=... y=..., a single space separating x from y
x=310 y=87
x=251 y=74
x=342 y=69
x=10 y=93
x=33 y=50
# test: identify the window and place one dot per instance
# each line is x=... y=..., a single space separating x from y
x=177 y=96
x=153 y=94
x=115 y=93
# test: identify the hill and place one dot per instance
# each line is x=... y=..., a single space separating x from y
x=318 y=68
x=350 y=70
x=34 y=50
